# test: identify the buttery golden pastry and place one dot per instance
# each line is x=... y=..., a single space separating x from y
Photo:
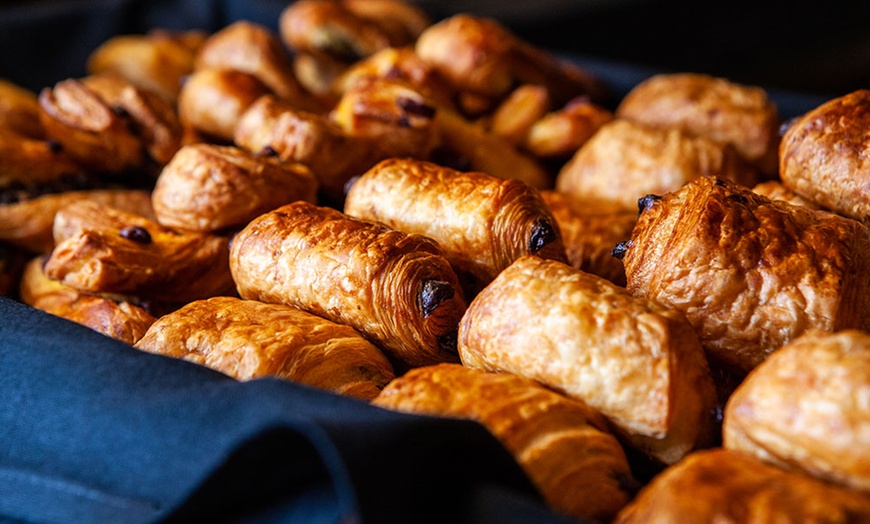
x=246 y=339
x=716 y=108
x=624 y=161
x=212 y=188
x=213 y=100
x=561 y=133
x=518 y=112
x=119 y=319
x=396 y=289
x=99 y=249
x=823 y=156
x=19 y=110
x=481 y=222
x=562 y=444
x=32 y=161
x=589 y=234
x=775 y=190
x=636 y=362
x=400 y=20
x=717 y=486
x=805 y=408
x=749 y=273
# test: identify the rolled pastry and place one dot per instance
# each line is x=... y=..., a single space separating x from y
x=637 y=363
x=246 y=339
x=211 y=188
x=213 y=100
x=749 y=273
x=776 y=190
x=805 y=408
x=562 y=444
x=102 y=250
x=483 y=223
x=397 y=289
x=19 y=110
x=823 y=156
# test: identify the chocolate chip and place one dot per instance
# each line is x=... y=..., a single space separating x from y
x=543 y=233
x=736 y=197
x=267 y=151
x=721 y=183
x=415 y=107
x=620 y=249
x=137 y=234
x=646 y=202
x=433 y=293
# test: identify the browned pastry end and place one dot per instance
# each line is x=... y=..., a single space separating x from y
x=562 y=444
x=775 y=190
x=624 y=161
x=719 y=486
x=212 y=188
x=254 y=49
x=561 y=133
x=589 y=234
x=716 y=108
x=636 y=362
x=213 y=100
x=517 y=113
x=19 y=110
x=272 y=126
x=102 y=250
x=749 y=273
x=246 y=339
x=483 y=223
x=396 y=289
x=119 y=319
x=32 y=161
x=824 y=156
x=805 y=408
x=28 y=223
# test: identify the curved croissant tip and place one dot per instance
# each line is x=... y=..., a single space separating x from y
x=543 y=233
x=433 y=293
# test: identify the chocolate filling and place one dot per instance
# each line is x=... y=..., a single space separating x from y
x=543 y=233
x=433 y=293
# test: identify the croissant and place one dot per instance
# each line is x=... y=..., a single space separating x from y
x=19 y=110
x=822 y=431
x=561 y=133
x=29 y=161
x=481 y=222
x=716 y=108
x=102 y=250
x=776 y=190
x=562 y=444
x=213 y=100
x=517 y=113
x=749 y=273
x=211 y=188
x=727 y=486
x=624 y=160
x=112 y=316
x=589 y=234
x=823 y=156
x=246 y=339
x=637 y=363
x=397 y=289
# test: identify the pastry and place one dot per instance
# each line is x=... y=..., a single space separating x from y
x=561 y=133
x=776 y=190
x=481 y=222
x=396 y=289
x=562 y=444
x=638 y=363
x=749 y=273
x=19 y=110
x=246 y=339
x=213 y=100
x=805 y=408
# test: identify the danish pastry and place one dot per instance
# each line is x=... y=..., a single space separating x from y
x=213 y=100
x=19 y=110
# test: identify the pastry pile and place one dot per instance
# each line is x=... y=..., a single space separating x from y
x=660 y=305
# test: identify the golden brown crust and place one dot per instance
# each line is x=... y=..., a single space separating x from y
x=246 y=339
x=211 y=188
x=483 y=223
x=589 y=234
x=561 y=133
x=637 y=363
x=397 y=289
x=31 y=161
x=102 y=250
x=400 y=20
x=805 y=408
x=561 y=443
x=29 y=223
x=716 y=108
x=19 y=110
x=728 y=486
x=625 y=161
x=518 y=112
x=775 y=190
x=749 y=273
x=120 y=320
x=823 y=156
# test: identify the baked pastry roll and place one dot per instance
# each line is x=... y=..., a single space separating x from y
x=19 y=110
x=727 y=486
x=626 y=160
x=776 y=190
x=561 y=133
x=716 y=108
x=749 y=273
x=562 y=444
x=212 y=188
x=824 y=156
x=102 y=250
x=589 y=234
x=396 y=289
x=246 y=339
x=636 y=362
x=483 y=223
x=804 y=408
x=32 y=161
x=213 y=100
x=518 y=112
x=112 y=316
